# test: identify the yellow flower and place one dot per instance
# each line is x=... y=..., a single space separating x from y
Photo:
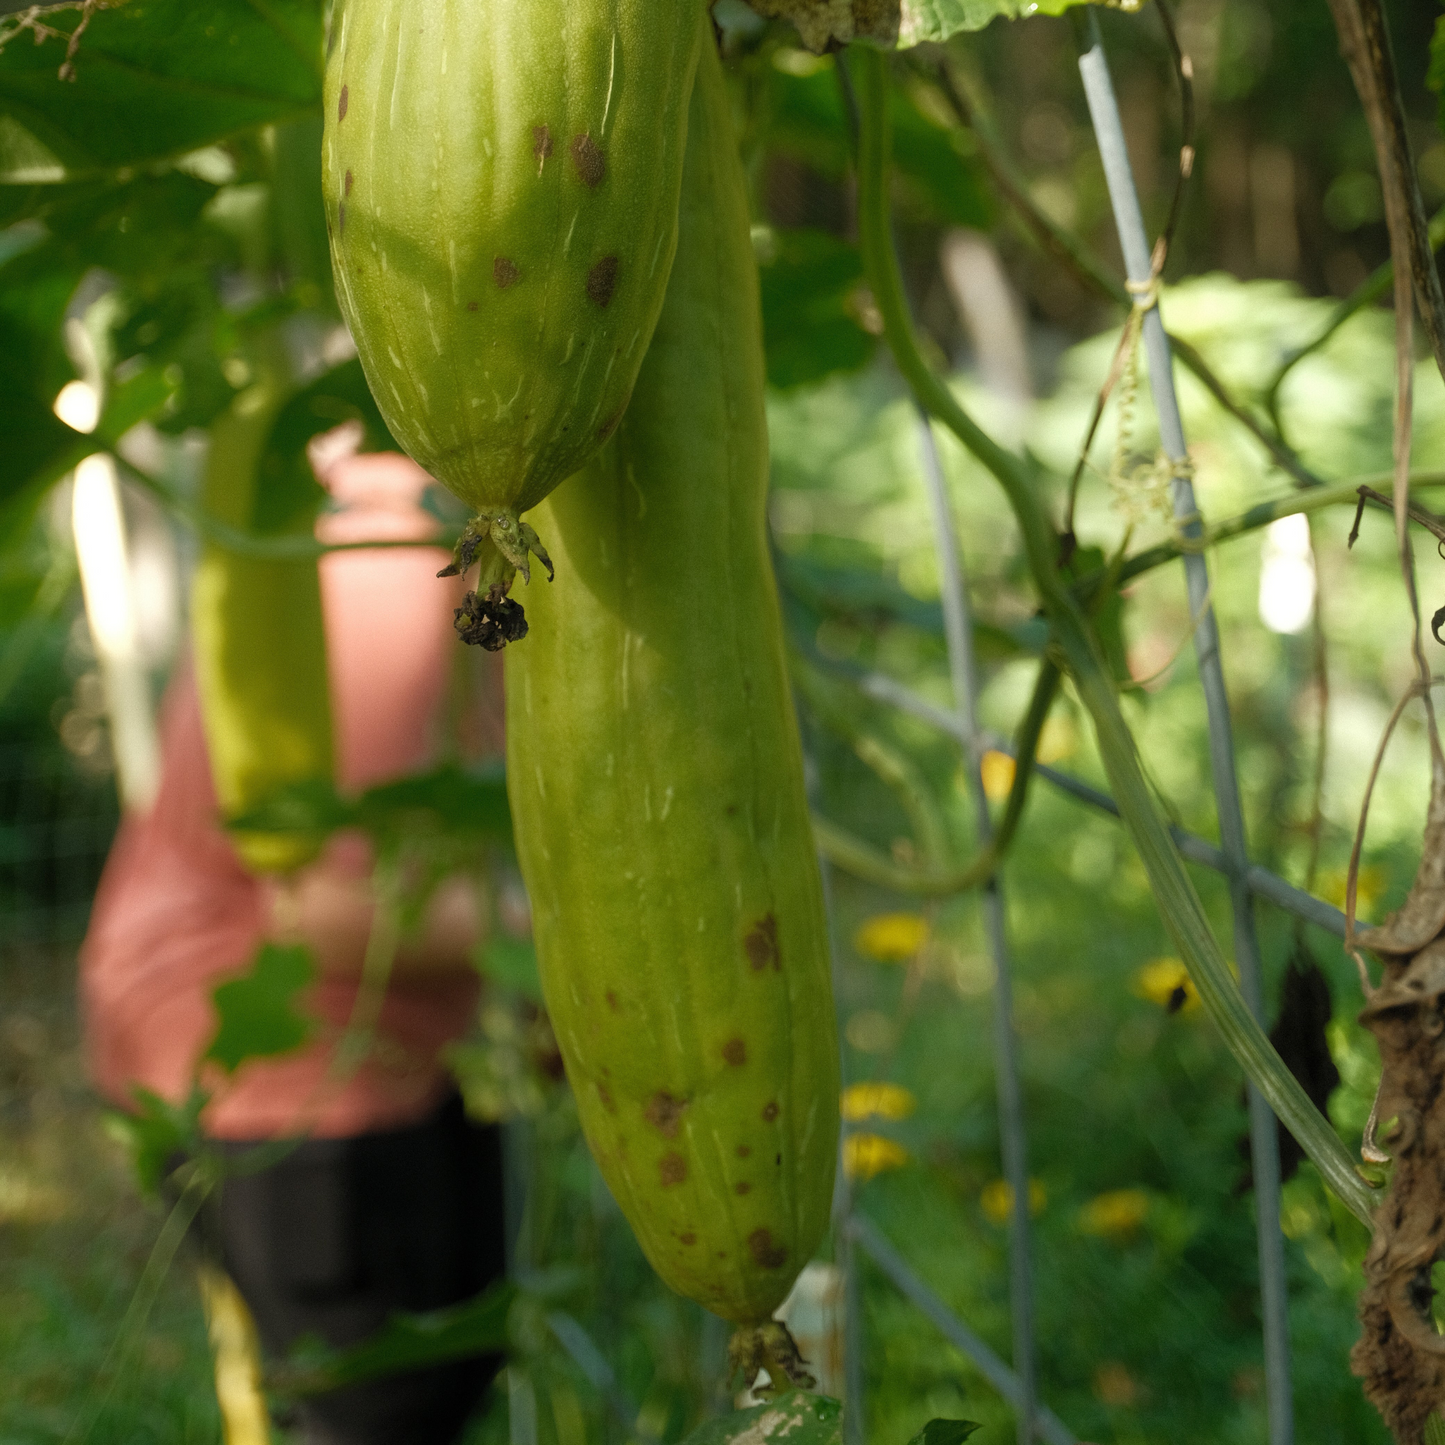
x=1057 y=740
x=886 y=1101
x=865 y=1155
x=997 y=1199
x=998 y=775
x=892 y=937
x=1369 y=887
x=1116 y=1214
x=1166 y=981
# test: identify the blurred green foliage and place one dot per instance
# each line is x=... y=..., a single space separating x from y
x=149 y=257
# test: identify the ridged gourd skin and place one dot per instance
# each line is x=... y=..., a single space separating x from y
x=656 y=781
x=501 y=182
x=259 y=647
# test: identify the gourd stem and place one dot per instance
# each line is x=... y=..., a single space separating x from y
x=1174 y=894
x=1263 y=1131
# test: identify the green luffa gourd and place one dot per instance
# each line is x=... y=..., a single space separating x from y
x=501 y=182
x=657 y=789
x=259 y=645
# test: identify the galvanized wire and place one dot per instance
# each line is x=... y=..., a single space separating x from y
x=1264 y=1142
x=1013 y=1144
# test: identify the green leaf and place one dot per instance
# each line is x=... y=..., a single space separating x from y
x=945 y=1432
x=258 y=1017
x=461 y=800
x=405 y=1342
x=935 y=179
x=797 y=1417
x=35 y=289
x=925 y=20
x=1108 y=615
x=454 y=799
x=152 y=79
x=286 y=487
x=810 y=282
x=158 y=1133
x=511 y=962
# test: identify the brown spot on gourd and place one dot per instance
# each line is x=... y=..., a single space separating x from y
x=735 y=1051
x=348 y=183
x=744 y=1150
x=742 y=1188
x=664 y=1113
x=505 y=272
x=542 y=141
x=766 y=1250
x=341 y=218
x=471 y=305
x=605 y=1094
x=770 y=1111
x=688 y=1238
x=341 y=103
x=610 y=425
x=761 y=944
x=590 y=163
x=602 y=281
x=612 y=1000
x=672 y=1169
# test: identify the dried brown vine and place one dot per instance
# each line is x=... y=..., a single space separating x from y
x=1400 y=1356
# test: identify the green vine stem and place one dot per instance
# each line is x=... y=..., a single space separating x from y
x=274 y=547
x=1080 y=656
x=1259 y=515
x=863 y=860
x=1067 y=247
x=1372 y=289
x=837 y=708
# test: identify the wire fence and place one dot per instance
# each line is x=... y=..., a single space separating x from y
x=57 y=822
x=1017 y=1384
x=56 y=825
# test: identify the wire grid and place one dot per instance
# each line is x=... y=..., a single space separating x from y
x=1017 y=1384
x=56 y=826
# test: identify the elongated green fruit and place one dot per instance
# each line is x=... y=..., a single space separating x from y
x=501 y=181
x=657 y=791
x=259 y=645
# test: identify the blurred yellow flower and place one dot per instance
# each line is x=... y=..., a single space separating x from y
x=892 y=937
x=1115 y=1214
x=886 y=1101
x=997 y=1199
x=865 y=1155
x=1166 y=981
x=1057 y=740
x=1369 y=888
x=998 y=775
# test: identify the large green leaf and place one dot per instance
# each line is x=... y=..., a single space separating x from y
x=152 y=79
x=935 y=180
x=797 y=1417
x=810 y=282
